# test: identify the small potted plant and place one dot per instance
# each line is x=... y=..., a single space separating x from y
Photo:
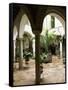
x=27 y=56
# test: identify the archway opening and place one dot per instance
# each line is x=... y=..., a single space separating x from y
x=53 y=49
x=26 y=55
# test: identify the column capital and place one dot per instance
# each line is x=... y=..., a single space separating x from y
x=37 y=32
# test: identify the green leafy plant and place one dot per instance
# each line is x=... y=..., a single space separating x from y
x=27 y=56
x=47 y=40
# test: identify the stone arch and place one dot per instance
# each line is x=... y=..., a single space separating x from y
x=24 y=21
x=58 y=11
x=23 y=11
x=58 y=17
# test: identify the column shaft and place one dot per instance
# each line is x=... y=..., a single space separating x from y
x=60 y=49
x=14 y=49
x=20 y=54
x=37 y=58
x=33 y=45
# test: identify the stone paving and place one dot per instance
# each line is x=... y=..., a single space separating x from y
x=52 y=73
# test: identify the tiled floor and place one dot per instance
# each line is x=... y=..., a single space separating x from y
x=52 y=73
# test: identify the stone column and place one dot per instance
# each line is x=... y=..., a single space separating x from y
x=14 y=41
x=37 y=58
x=61 y=57
x=21 y=41
x=14 y=56
x=20 y=53
x=60 y=49
x=33 y=45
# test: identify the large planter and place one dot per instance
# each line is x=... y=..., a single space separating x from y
x=27 y=57
x=46 y=58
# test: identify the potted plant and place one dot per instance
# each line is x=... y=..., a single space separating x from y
x=27 y=56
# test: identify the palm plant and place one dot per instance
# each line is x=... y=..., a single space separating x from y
x=45 y=41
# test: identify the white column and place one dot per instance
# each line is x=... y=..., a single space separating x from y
x=60 y=49
x=33 y=46
x=21 y=43
x=14 y=42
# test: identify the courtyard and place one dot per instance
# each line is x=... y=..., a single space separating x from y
x=52 y=73
x=39 y=45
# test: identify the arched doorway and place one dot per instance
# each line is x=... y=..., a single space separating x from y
x=26 y=62
x=53 y=32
